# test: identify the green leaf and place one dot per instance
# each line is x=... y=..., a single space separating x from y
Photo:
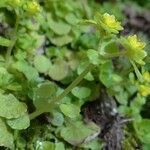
x=5 y=78
x=93 y=56
x=81 y=68
x=59 y=146
x=29 y=72
x=29 y=41
x=106 y=71
x=5 y=42
x=138 y=74
x=59 y=27
x=78 y=132
x=122 y=97
x=20 y=55
x=109 y=48
x=43 y=94
x=146 y=147
x=57 y=119
x=88 y=22
x=61 y=40
x=93 y=145
x=20 y=123
x=142 y=129
x=59 y=70
x=7 y=81
x=41 y=63
x=45 y=145
x=10 y=107
x=81 y=92
x=6 y=138
x=71 y=19
x=70 y=110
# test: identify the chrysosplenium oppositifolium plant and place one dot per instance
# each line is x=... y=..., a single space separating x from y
x=53 y=61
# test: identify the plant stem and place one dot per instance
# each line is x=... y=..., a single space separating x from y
x=14 y=39
x=138 y=74
x=72 y=85
x=35 y=114
x=85 y=8
x=122 y=53
x=63 y=94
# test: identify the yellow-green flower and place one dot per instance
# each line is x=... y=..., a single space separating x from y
x=17 y=2
x=134 y=49
x=33 y=7
x=144 y=90
x=146 y=76
x=135 y=43
x=14 y=3
x=111 y=23
x=107 y=23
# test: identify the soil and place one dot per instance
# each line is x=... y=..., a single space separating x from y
x=137 y=21
x=103 y=112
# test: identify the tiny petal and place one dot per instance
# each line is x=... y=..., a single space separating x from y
x=146 y=76
x=135 y=43
x=134 y=49
x=144 y=90
x=111 y=22
x=33 y=7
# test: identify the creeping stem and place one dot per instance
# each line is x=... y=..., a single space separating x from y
x=72 y=85
x=63 y=94
x=14 y=39
x=35 y=114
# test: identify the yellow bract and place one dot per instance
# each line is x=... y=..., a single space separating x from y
x=33 y=7
x=17 y=2
x=134 y=49
x=144 y=90
x=146 y=76
x=135 y=43
x=111 y=22
x=14 y=3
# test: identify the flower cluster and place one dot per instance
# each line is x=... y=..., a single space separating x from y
x=107 y=23
x=146 y=76
x=14 y=3
x=32 y=7
x=134 y=49
x=110 y=23
x=144 y=89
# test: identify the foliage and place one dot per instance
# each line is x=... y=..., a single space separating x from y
x=55 y=56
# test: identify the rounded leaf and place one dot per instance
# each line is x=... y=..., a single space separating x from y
x=20 y=123
x=59 y=27
x=81 y=92
x=45 y=145
x=142 y=129
x=59 y=70
x=41 y=63
x=70 y=110
x=43 y=93
x=93 y=56
x=10 y=107
x=79 y=132
x=57 y=119
x=6 y=138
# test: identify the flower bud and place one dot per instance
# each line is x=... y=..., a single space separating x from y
x=134 y=49
x=111 y=23
x=144 y=90
x=32 y=7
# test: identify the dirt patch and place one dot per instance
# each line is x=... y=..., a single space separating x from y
x=137 y=21
x=104 y=113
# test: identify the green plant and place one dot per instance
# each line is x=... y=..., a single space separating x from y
x=50 y=63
